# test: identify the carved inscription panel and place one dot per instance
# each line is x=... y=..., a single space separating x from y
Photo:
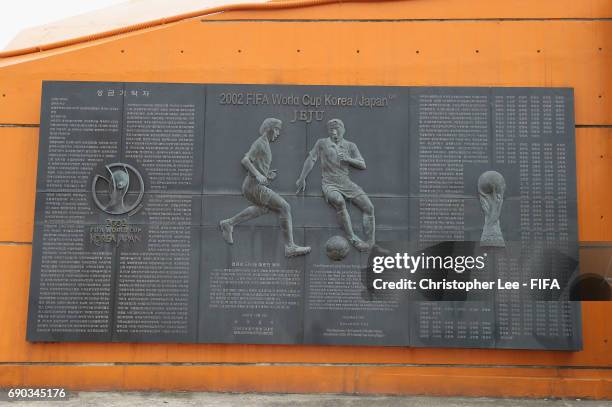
x=250 y=213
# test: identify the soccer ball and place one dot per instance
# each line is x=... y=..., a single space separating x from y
x=337 y=247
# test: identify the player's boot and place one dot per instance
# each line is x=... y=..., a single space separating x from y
x=295 y=250
x=360 y=244
x=227 y=230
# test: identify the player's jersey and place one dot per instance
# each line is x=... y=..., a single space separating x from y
x=260 y=155
x=333 y=171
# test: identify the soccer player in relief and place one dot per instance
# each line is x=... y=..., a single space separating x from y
x=254 y=188
x=337 y=156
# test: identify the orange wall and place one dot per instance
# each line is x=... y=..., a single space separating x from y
x=459 y=43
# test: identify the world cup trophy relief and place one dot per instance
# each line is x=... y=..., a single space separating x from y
x=337 y=156
x=491 y=188
x=255 y=188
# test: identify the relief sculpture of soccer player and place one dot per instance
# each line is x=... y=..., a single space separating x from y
x=337 y=155
x=254 y=188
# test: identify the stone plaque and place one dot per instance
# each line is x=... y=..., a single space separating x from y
x=253 y=213
x=250 y=291
x=118 y=213
x=340 y=310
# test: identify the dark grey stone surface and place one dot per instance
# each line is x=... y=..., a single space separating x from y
x=124 y=267
x=538 y=318
x=134 y=179
x=141 y=273
x=164 y=133
x=231 y=128
x=340 y=307
x=78 y=130
x=70 y=288
x=250 y=292
x=380 y=133
x=156 y=288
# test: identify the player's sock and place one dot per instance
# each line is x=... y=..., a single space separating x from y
x=369 y=227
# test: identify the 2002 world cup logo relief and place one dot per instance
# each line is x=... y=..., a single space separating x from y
x=123 y=191
x=120 y=193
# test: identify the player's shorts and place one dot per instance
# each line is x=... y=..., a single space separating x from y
x=347 y=188
x=256 y=193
